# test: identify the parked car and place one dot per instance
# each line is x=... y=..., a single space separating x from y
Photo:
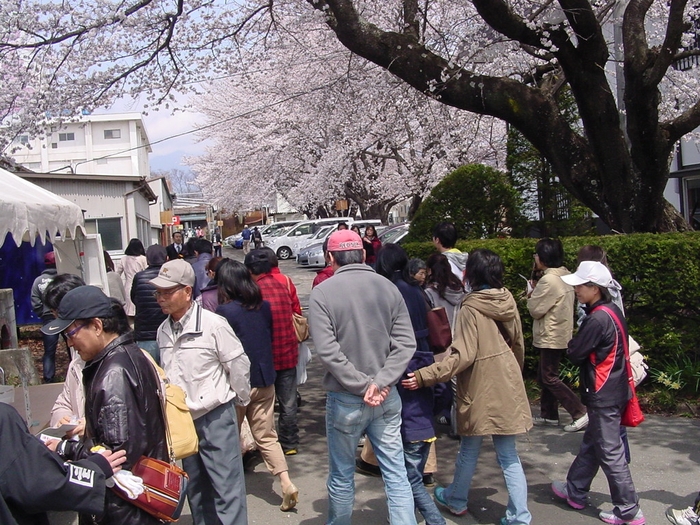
x=312 y=256
x=283 y=244
x=317 y=237
x=394 y=234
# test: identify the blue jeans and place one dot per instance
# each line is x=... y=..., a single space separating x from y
x=457 y=494
x=415 y=455
x=347 y=418
x=286 y=393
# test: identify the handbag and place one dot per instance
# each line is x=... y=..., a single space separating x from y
x=165 y=488
x=301 y=323
x=301 y=327
x=179 y=427
x=439 y=331
x=632 y=415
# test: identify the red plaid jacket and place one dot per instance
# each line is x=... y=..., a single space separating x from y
x=285 y=347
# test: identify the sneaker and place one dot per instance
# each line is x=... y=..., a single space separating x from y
x=361 y=442
x=291 y=452
x=577 y=424
x=609 y=517
x=440 y=498
x=561 y=491
x=362 y=467
x=683 y=517
x=428 y=480
x=542 y=421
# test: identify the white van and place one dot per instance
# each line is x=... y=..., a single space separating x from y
x=284 y=244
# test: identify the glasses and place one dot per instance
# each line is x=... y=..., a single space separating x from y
x=167 y=293
x=71 y=334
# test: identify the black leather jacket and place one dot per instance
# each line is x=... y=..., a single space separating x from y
x=149 y=315
x=122 y=411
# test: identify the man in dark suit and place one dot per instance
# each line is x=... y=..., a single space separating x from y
x=177 y=250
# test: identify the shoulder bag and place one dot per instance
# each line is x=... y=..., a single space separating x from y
x=301 y=323
x=439 y=330
x=632 y=415
x=179 y=427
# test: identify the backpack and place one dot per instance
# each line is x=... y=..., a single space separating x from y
x=639 y=367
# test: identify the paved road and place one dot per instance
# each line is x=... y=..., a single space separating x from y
x=665 y=466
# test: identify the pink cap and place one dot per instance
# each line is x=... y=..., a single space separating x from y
x=344 y=240
x=50 y=258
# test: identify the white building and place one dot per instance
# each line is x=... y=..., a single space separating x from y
x=101 y=163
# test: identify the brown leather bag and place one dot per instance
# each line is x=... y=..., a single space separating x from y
x=439 y=331
x=165 y=488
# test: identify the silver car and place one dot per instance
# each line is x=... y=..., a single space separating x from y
x=312 y=256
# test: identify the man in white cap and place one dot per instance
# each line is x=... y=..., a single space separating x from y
x=364 y=338
x=201 y=354
x=599 y=348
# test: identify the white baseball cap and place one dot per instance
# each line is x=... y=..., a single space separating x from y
x=590 y=272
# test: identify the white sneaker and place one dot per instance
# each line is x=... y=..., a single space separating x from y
x=682 y=517
x=577 y=424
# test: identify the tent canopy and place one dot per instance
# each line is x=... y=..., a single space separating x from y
x=28 y=211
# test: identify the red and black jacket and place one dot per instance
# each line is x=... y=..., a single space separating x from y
x=598 y=348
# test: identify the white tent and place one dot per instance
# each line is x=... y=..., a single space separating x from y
x=28 y=211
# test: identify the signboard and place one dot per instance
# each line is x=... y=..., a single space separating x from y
x=176 y=220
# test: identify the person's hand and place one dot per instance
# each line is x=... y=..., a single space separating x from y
x=115 y=459
x=410 y=383
x=52 y=444
x=79 y=430
x=374 y=396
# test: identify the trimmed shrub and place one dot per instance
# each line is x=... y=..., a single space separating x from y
x=659 y=274
x=478 y=199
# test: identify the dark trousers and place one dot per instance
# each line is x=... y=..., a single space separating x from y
x=554 y=391
x=49 y=359
x=602 y=448
x=286 y=393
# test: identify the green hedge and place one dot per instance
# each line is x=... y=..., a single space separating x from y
x=659 y=273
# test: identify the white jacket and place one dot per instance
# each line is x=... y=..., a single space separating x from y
x=207 y=361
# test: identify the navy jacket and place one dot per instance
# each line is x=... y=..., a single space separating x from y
x=254 y=329
x=598 y=349
x=417 y=405
x=149 y=316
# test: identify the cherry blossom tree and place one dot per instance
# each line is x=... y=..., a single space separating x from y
x=500 y=58
x=307 y=119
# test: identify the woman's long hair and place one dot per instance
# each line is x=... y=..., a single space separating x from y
x=236 y=284
x=484 y=270
x=440 y=274
x=392 y=263
x=135 y=247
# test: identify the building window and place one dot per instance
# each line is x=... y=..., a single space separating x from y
x=65 y=137
x=109 y=229
x=23 y=139
x=113 y=133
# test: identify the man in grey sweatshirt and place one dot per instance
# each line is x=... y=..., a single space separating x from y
x=363 y=336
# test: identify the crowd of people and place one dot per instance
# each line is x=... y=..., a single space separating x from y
x=224 y=331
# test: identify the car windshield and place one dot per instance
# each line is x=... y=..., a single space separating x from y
x=280 y=231
x=321 y=234
x=390 y=236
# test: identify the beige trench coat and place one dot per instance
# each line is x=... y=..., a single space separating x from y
x=491 y=396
